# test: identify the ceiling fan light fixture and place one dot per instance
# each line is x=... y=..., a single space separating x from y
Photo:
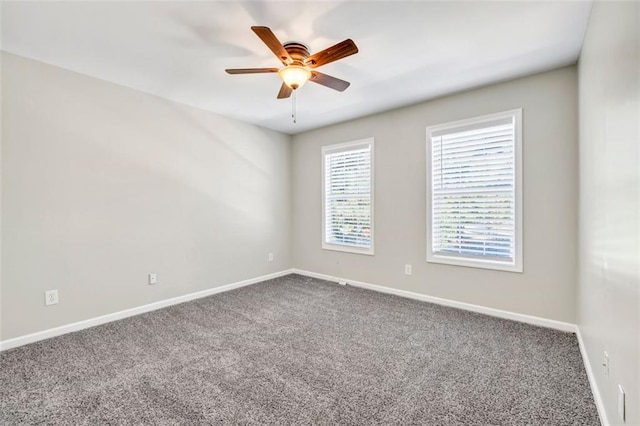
x=298 y=63
x=294 y=76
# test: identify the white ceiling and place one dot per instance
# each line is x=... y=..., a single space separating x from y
x=409 y=51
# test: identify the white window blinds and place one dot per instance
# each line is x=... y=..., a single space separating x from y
x=348 y=184
x=474 y=178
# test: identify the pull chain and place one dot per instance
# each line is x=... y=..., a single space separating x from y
x=294 y=113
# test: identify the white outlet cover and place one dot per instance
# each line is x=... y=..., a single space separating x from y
x=153 y=279
x=407 y=269
x=621 y=407
x=605 y=363
x=50 y=297
x=270 y=257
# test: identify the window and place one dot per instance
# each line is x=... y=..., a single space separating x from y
x=347 y=197
x=474 y=200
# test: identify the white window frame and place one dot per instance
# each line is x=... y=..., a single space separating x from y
x=517 y=265
x=327 y=149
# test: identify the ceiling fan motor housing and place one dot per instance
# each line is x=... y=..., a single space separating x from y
x=299 y=52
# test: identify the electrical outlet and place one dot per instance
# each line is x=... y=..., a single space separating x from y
x=153 y=279
x=407 y=269
x=50 y=297
x=621 y=407
x=605 y=363
x=270 y=257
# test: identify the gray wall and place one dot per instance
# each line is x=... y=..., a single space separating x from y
x=547 y=288
x=102 y=184
x=609 y=279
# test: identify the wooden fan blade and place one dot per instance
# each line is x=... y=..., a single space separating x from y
x=327 y=80
x=250 y=70
x=285 y=91
x=333 y=53
x=269 y=38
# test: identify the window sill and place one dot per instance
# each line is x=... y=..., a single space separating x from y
x=474 y=263
x=348 y=249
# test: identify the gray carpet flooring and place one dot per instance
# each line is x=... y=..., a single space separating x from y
x=297 y=350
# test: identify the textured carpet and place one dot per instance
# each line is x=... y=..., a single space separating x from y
x=297 y=350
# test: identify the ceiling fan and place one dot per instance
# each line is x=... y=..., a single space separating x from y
x=299 y=65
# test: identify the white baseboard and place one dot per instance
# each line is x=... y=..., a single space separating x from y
x=92 y=322
x=592 y=380
x=529 y=319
